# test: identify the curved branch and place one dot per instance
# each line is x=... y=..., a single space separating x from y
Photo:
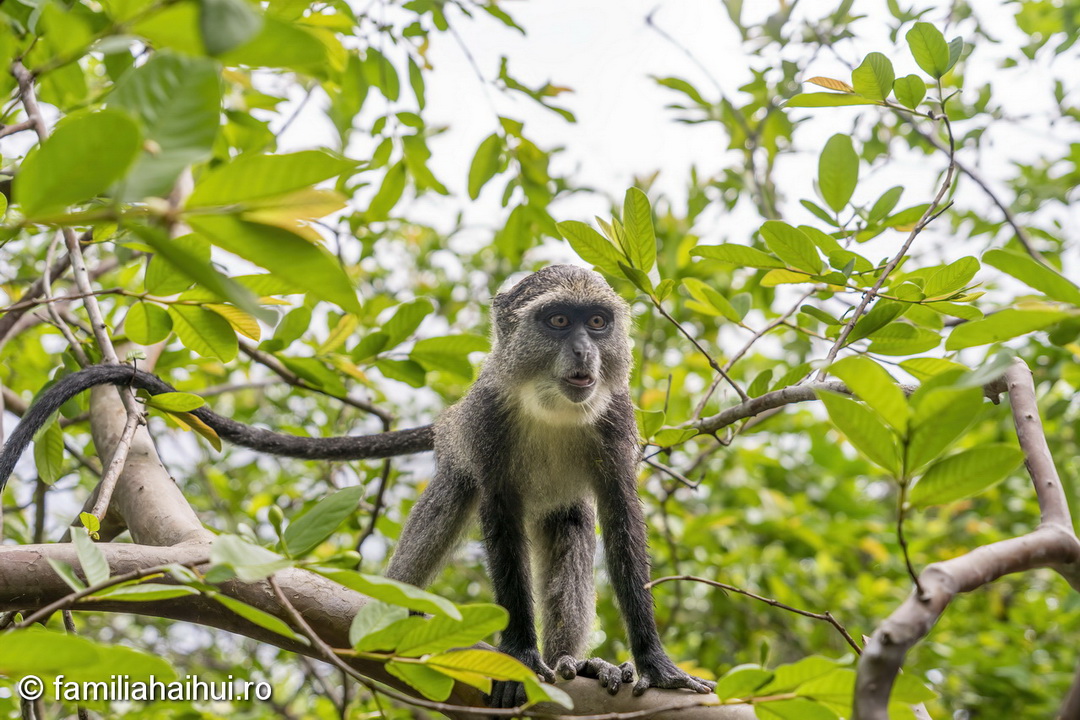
x=1053 y=544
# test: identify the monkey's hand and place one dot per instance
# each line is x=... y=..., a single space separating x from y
x=508 y=694
x=610 y=676
x=660 y=672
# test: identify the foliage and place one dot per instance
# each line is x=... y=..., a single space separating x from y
x=305 y=287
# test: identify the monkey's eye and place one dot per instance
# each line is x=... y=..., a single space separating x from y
x=597 y=322
x=558 y=320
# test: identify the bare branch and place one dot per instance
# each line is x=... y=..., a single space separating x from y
x=825 y=616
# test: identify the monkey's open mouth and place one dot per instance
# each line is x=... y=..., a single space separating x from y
x=580 y=379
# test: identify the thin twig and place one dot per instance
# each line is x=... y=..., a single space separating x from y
x=16 y=128
x=671 y=472
x=71 y=599
x=377 y=505
x=745 y=348
x=73 y=343
x=824 y=617
x=116 y=465
x=712 y=363
x=928 y=216
x=295 y=380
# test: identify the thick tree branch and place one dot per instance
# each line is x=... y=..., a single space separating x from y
x=1053 y=544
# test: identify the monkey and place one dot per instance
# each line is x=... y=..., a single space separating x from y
x=542 y=446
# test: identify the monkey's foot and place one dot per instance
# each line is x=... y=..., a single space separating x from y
x=610 y=676
x=508 y=694
x=662 y=673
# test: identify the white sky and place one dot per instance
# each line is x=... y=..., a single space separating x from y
x=606 y=53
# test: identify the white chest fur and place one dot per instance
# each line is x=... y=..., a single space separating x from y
x=556 y=452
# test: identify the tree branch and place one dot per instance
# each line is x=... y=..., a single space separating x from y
x=1053 y=544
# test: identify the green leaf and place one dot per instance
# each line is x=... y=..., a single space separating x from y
x=281 y=252
x=793 y=709
x=838 y=172
x=164 y=277
x=1034 y=274
x=204 y=332
x=901 y=338
x=1002 y=325
x=227 y=24
x=911 y=690
x=873 y=79
x=709 y=301
x=405 y=320
x=864 y=430
x=638 y=277
x=259 y=617
x=956 y=49
x=67 y=574
x=739 y=255
x=951 y=278
x=483 y=662
x=885 y=204
x=280 y=44
x=965 y=474
x=826 y=99
x=484 y=164
x=49 y=452
x=874 y=386
x=147 y=323
x=88 y=152
x=942 y=414
x=790 y=676
x=925 y=368
x=373 y=617
x=144 y=592
x=449 y=353
x=177 y=99
x=406 y=371
x=94 y=565
x=910 y=90
x=309 y=530
x=186 y=258
x=792 y=246
x=391 y=190
x=929 y=49
x=249 y=562
x=741 y=682
x=638 y=221
x=441 y=633
x=252 y=176
x=176 y=401
x=883 y=313
x=431 y=683
x=591 y=246
x=391 y=591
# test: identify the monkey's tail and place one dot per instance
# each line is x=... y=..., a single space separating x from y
x=400 y=442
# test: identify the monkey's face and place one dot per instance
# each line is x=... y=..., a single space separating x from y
x=576 y=335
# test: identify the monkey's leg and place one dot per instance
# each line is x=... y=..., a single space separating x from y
x=626 y=549
x=436 y=525
x=566 y=545
x=508 y=565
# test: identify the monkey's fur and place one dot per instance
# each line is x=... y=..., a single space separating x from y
x=543 y=443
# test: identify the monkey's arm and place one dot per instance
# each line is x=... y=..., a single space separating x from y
x=333 y=448
x=436 y=526
x=622 y=525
